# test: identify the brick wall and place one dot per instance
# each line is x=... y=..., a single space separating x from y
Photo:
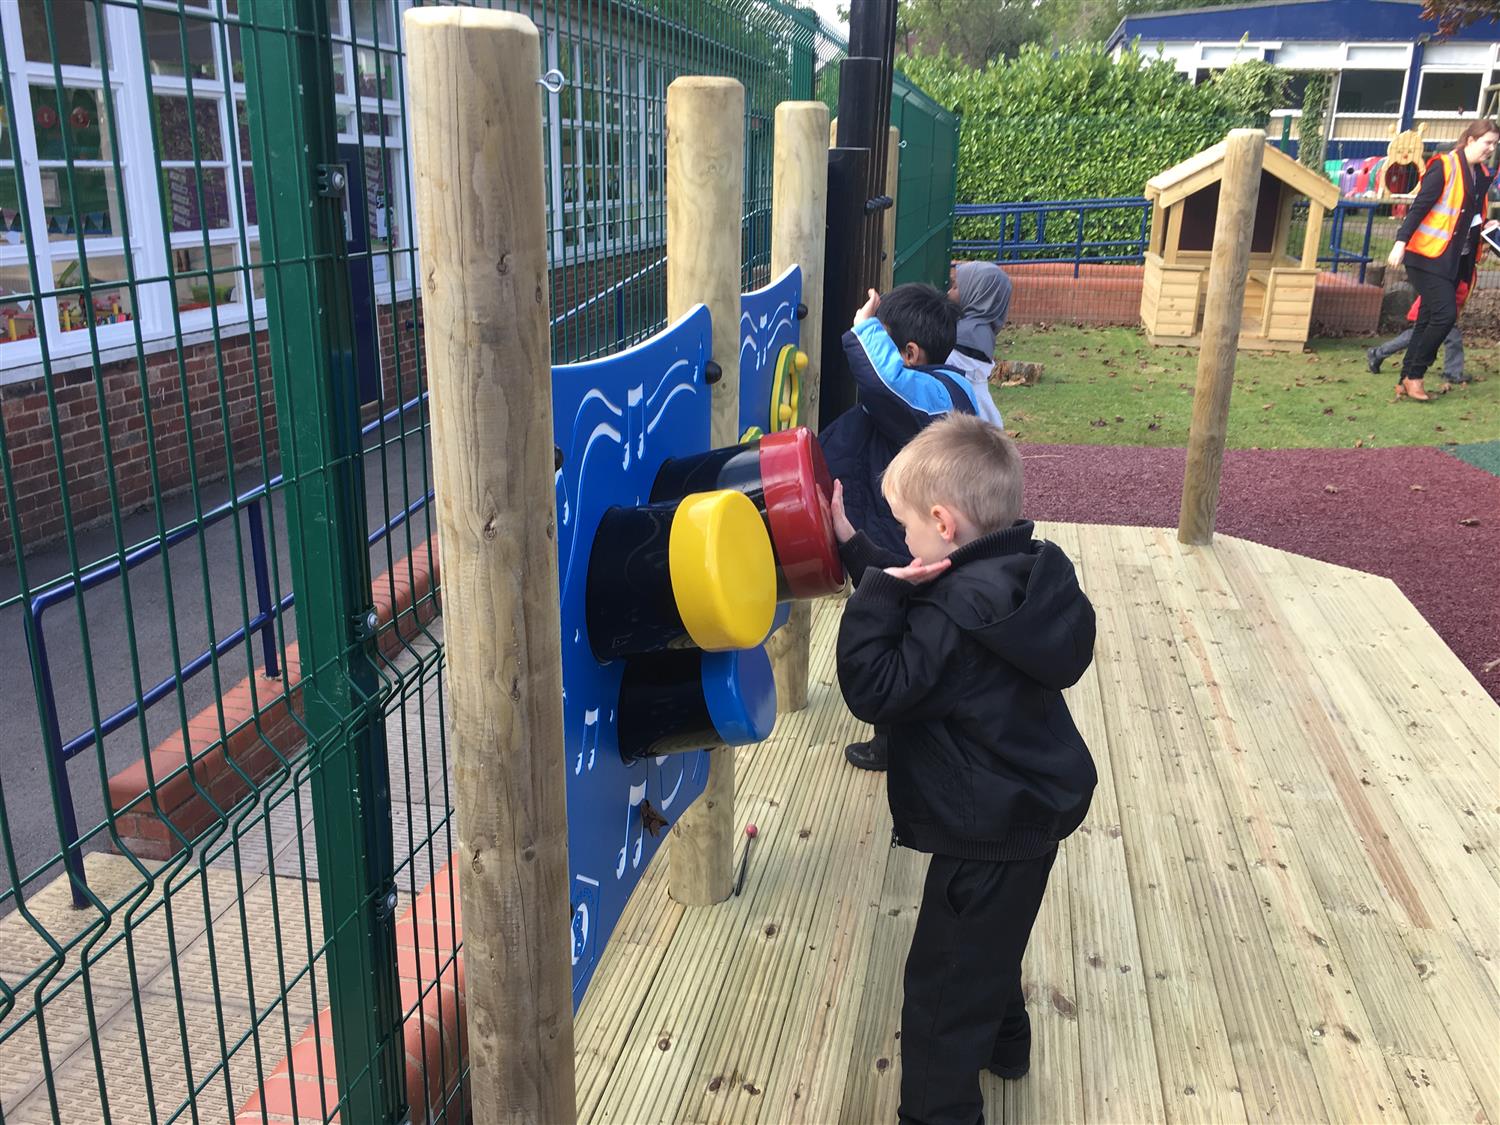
x=220 y=401
x=1111 y=295
x=211 y=392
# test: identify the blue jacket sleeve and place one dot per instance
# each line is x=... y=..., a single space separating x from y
x=900 y=400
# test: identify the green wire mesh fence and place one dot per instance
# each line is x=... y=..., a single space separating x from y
x=224 y=789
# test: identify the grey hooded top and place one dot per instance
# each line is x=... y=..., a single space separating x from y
x=984 y=303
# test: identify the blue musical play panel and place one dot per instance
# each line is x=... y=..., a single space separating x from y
x=616 y=420
x=768 y=325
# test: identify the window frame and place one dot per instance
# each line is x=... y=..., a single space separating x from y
x=1453 y=114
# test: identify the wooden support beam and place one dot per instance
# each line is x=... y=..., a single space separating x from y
x=481 y=207
x=705 y=216
x=1314 y=236
x=1223 y=308
x=799 y=228
x=892 y=174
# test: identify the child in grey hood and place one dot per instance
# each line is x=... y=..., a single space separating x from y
x=982 y=292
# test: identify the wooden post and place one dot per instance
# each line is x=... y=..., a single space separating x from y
x=892 y=174
x=799 y=218
x=705 y=217
x=1314 y=235
x=1224 y=305
x=481 y=208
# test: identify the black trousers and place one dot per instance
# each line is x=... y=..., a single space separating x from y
x=1438 y=314
x=963 y=1006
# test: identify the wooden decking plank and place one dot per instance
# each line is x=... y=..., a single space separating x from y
x=872 y=1059
x=1053 y=1091
x=760 y=997
x=803 y=792
x=1213 y=636
x=1438 y=836
x=1452 y=763
x=1190 y=1026
x=1121 y=1078
x=1364 y=924
x=1450 y=973
x=1276 y=1075
x=647 y=1082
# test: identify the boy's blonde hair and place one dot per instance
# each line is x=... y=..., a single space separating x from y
x=964 y=463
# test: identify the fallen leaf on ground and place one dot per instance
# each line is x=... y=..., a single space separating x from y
x=1418 y=488
x=1470 y=522
x=1330 y=488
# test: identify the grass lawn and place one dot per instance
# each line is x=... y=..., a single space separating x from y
x=1109 y=386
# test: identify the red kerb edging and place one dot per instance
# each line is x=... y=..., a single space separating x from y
x=201 y=773
x=431 y=976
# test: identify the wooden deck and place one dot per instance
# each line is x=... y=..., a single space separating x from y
x=1285 y=903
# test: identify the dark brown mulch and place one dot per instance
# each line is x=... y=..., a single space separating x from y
x=1371 y=519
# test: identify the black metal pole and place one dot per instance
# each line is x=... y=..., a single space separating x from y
x=859 y=128
x=843 y=287
x=872 y=35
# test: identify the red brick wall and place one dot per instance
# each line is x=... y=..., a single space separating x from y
x=25 y=413
x=25 y=410
x=1111 y=294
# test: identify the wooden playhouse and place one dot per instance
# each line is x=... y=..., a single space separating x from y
x=1279 y=289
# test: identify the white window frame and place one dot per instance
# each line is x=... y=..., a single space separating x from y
x=1450 y=114
x=1338 y=86
x=636 y=94
x=389 y=288
x=227 y=94
x=125 y=102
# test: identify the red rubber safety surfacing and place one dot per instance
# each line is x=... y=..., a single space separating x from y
x=799 y=491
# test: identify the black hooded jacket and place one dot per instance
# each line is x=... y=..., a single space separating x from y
x=965 y=675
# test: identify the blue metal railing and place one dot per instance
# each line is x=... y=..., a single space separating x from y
x=58 y=752
x=1022 y=235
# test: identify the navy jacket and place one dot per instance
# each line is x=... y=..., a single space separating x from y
x=965 y=675
x=895 y=403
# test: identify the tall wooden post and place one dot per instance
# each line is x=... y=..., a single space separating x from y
x=888 y=240
x=1314 y=236
x=705 y=217
x=799 y=211
x=481 y=208
x=1244 y=154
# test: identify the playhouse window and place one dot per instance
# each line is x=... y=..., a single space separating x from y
x=1449 y=93
x=1371 y=91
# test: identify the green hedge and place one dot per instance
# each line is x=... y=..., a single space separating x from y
x=1076 y=124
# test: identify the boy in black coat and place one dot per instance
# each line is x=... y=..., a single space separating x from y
x=960 y=657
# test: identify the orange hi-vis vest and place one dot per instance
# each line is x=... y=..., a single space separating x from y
x=1437 y=228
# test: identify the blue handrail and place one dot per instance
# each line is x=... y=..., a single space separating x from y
x=1016 y=242
x=58 y=752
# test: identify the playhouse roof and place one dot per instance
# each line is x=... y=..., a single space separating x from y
x=1207 y=167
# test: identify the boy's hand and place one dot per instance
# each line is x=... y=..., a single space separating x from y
x=868 y=309
x=917 y=571
x=843 y=530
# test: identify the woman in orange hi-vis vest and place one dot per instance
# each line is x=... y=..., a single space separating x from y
x=1436 y=237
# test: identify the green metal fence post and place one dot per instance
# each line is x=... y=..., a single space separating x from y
x=804 y=54
x=300 y=187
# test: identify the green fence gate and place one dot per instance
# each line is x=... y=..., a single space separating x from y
x=926 y=187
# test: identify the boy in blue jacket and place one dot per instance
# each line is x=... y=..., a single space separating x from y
x=960 y=656
x=896 y=351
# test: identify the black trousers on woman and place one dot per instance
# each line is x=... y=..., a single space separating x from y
x=963 y=1010
x=1438 y=314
